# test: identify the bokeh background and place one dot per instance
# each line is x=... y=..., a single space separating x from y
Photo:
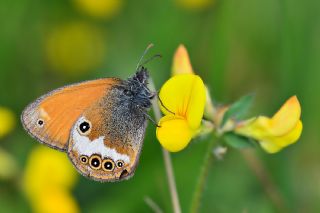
x=269 y=47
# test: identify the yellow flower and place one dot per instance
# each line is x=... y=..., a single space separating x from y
x=195 y=5
x=275 y=133
x=182 y=65
x=100 y=8
x=185 y=96
x=48 y=180
x=7 y=121
x=55 y=200
x=8 y=165
x=75 y=48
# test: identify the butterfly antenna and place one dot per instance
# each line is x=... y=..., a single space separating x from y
x=150 y=59
x=144 y=53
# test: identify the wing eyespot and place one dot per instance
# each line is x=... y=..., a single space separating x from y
x=84 y=159
x=84 y=128
x=40 y=122
x=120 y=163
x=95 y=162
x=108 y=165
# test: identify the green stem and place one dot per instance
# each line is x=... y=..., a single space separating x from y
x=202 y=179
x=265 y=178
x=167 y=160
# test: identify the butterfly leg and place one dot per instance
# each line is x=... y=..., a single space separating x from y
x=150 y=118
x=164 y=105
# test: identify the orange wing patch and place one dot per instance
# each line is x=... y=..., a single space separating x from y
x=50 y=118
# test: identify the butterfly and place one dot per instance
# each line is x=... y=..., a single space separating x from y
x=100 y=124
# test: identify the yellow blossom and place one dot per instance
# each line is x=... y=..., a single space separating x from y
x=275 y=133
x=55 y=200
x=182 y=65
x=48 y=179
x=7 y=121
x=185 y=96
x=99 y=8
x=75 y=48
x=8 y=165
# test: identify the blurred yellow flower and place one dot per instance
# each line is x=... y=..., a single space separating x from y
x=99 y=8
x=48 y=180
x=275 y=133
x=7 y=121
x=75 y=48
x=195 y=5
x=8 y=165
x=185 y=96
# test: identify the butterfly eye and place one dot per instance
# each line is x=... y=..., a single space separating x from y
x=120 y=163
x=84 y=159
x=84 y=128
x=127 y=92
x=40 y=122
x=108 y=165
x=146 y=105
x=95 y=162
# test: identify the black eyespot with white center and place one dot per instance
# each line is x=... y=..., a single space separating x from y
x=84 y=159
x=108 y=165
x=84 y=127
x=95 y=162
x=120 y=163
x=40 y=123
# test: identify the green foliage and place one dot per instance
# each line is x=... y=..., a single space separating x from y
x=238 y=109
x=237 y=141
x=237 y=47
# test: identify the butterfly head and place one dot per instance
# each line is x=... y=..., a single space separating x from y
x=137 y=91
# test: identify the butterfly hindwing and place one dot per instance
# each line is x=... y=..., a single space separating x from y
x=50 y=118
x=106 y=140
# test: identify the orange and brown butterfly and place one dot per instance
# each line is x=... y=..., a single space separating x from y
x=100 y=124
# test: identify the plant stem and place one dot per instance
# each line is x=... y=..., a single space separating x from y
x=171 y=181
x=265 y=180
x=167 y=160
x=152 y=205
x=197 y=195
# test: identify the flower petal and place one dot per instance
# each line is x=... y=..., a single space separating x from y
x=275 y=144
x=174 y=133
x=185 y=96
x=256 y=128
x=197 y=102
x=280 y=124
x=287 y=117
x=181 y=62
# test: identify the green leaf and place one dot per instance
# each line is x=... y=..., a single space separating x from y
x=238 y=109
x=237 y=141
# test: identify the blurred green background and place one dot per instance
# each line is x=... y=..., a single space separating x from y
x=270 y=47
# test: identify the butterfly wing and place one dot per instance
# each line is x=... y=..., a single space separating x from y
x=106 y=140
x=50 y=118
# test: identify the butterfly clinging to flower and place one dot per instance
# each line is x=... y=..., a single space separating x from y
x=100 y=124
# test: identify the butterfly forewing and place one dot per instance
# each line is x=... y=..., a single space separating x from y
x=50 y=118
